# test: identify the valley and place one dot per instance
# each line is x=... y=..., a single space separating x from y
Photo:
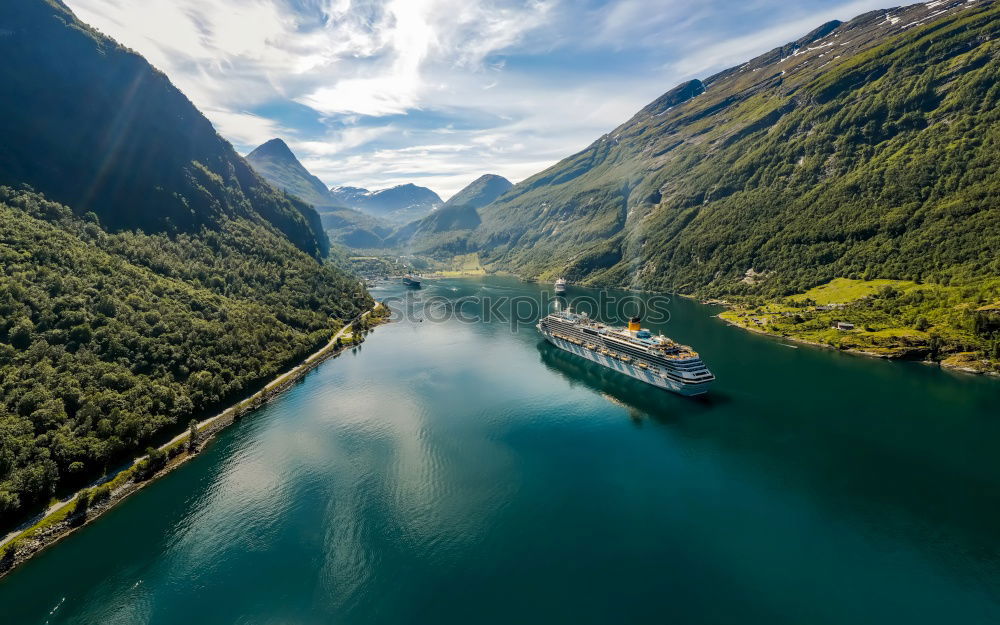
x=174 y=300
x=863 y=151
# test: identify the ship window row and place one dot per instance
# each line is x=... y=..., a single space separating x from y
x=572 y=331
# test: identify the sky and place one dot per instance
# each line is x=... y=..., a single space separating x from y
x=375 y=93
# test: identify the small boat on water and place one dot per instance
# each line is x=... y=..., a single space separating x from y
x=560 y=286
x=411 y=280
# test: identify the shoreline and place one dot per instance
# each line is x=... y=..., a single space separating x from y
x=58 y=521
x=853 y=351
x=942 y=364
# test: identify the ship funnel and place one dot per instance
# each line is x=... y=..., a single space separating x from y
x=634 y=324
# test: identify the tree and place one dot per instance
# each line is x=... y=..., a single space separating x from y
x=193 y=436
x=9 y=554
x=82 y=504
x=20 y=334
x=101 y=494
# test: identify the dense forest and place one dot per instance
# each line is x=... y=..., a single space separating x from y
x=867 y=149
x=147 y=274
x=109 y=340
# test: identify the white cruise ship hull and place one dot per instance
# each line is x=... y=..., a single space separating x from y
x=630 y=369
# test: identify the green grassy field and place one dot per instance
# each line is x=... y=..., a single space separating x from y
x=891 y=318
x=462 y=265
x=844 y=290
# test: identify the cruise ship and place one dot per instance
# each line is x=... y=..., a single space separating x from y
x=634 y=351
x=560 y=286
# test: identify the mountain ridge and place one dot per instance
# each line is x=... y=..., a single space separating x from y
x=122 y=136
x=482 y=191
x=651 y=204
x=276 y=162
x=400 y=204
x=167 y=280
x=443 y=229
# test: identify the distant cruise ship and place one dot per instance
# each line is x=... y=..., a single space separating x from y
x=411 y=280
x=560 y=286
x=633 y=351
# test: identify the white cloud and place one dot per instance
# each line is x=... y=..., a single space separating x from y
x=379 y=92
x=708 y=56
x=244 y=128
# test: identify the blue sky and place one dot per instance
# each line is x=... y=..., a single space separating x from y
x=375 y=93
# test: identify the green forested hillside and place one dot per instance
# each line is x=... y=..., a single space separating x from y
x=168 y=280
x=108 y=340
x=865 y=149
x=97 y=128
x=445 y=231
x=442 y=233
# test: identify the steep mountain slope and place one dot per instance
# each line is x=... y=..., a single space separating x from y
x=868 y=148
x=275 y=161
x=445 y=231
x=112 y=337
x=398 y=205
x=354 y=229
x=484 y=190
x=110 y=340
x=96 y=127
x=442 y=233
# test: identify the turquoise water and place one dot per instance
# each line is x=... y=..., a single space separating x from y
x=453 y=472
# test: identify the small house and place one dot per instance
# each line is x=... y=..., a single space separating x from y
x=829 y=307
x=843 y=325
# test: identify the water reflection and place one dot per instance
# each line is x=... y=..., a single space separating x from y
x=830 y=460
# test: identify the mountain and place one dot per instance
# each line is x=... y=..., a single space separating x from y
x=444 y=231
x=354 y=229
x=865 y=148
x=276 y=163
x=149 y=276
x=484 y=190
x=118 y=139
x=398 y=205
x=352 y=197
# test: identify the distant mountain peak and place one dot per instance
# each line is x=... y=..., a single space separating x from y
x=275 y=148
x=348 y=189
x=482 y=191
x=93 y=125
x=276 y=162
x=399 y=204
x=818 y=33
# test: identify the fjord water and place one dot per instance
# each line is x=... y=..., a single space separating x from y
x=461 y=472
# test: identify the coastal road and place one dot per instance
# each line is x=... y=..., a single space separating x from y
x=269 y=387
